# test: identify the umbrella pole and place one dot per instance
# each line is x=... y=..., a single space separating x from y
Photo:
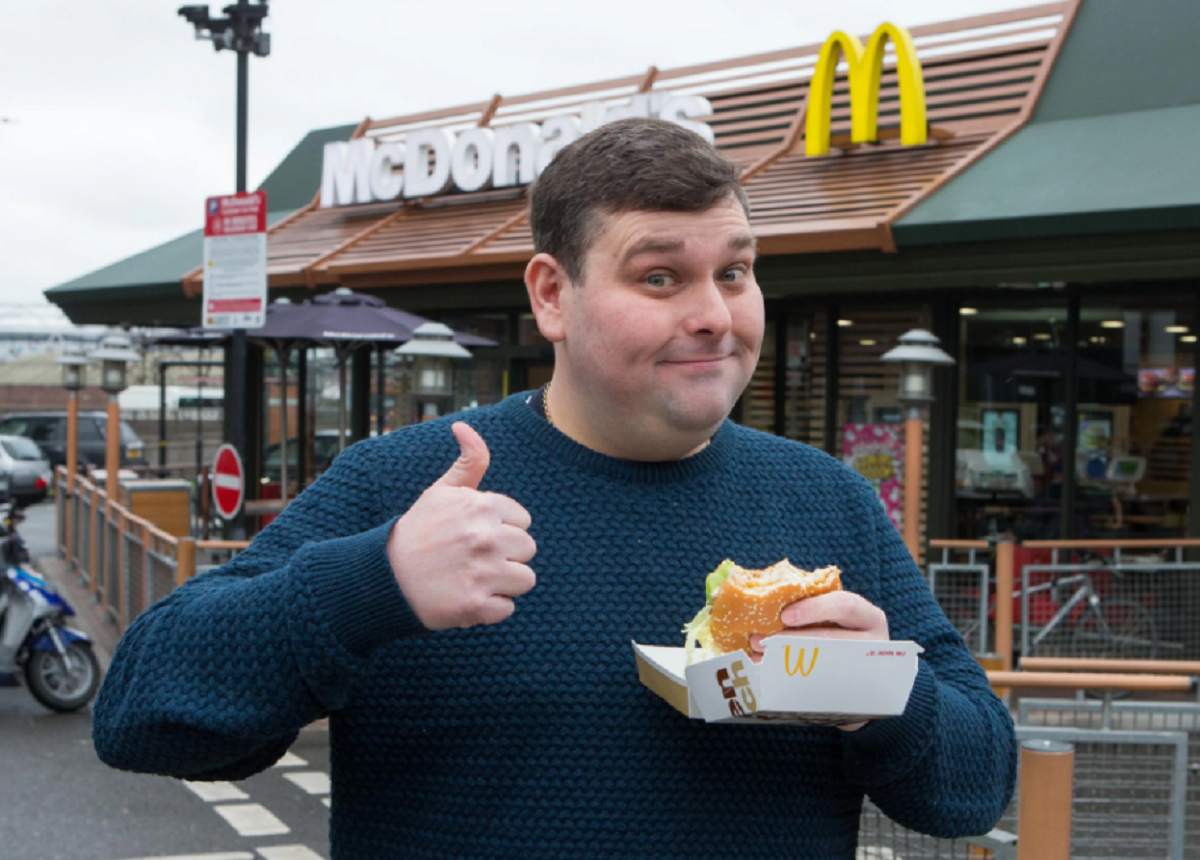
x=341 y=401
x=284 y=354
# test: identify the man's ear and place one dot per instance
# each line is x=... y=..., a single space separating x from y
x=547 y=284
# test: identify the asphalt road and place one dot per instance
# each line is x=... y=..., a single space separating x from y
x=58 y=801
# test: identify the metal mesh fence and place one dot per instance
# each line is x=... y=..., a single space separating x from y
x=60 y=519
x=1130 y=786
x=881 y=838
x=99 y=535
x=133 y=585
x=1111 y=604
x=960 y=584
x=160 y=578
x=83 y=537
x=112 y=572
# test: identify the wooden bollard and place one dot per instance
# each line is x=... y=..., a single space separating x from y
x=1044 y=809
x=1004 y=597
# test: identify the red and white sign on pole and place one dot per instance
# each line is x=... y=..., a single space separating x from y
x=235 y=261
x=229 y=482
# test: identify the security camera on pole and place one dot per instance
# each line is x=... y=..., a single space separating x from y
x=240 y=31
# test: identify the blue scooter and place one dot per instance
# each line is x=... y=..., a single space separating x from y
x=57 y=661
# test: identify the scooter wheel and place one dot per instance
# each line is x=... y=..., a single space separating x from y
x=63 y=684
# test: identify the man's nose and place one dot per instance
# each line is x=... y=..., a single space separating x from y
x=709 y=311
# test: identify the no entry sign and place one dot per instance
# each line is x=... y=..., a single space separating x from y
x=229 y=482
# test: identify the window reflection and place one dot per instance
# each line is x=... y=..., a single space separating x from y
x=1135 y=416
x=1009 y=459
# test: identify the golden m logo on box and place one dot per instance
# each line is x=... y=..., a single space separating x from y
x=865 y=70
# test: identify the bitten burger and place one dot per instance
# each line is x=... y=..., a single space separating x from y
x=740 y=603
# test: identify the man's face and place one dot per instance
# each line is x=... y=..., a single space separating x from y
x=665 y=331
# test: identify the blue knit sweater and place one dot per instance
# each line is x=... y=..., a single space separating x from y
x=533 y=738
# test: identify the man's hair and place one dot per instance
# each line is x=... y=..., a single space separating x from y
x=624 y=166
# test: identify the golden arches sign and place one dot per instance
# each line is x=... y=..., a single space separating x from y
x=866 y=67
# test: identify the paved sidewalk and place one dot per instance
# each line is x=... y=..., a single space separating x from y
x=90 y=616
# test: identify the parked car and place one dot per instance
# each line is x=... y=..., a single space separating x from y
x=49 y=431
x=325 y=448
x=24 y=469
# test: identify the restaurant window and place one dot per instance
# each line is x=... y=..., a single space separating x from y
x=1136 y=373
x=806 y=353
x=1011 y=417
x=758 y=400
x=869 y=423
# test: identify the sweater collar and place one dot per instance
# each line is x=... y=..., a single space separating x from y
x=544 y=436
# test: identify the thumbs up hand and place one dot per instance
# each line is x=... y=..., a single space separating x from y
x=459 y=554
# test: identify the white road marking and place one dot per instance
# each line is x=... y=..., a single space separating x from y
x=326 y=801
x=289 y=852
x=252 y=819
x=214 y=791
x=233 y=855
x=312 y=781
x=290 y=760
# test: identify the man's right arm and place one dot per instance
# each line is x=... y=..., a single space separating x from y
x=216 y=680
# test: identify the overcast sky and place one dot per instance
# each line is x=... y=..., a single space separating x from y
x=116 y=124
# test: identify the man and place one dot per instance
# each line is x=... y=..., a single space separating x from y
x=479 y=711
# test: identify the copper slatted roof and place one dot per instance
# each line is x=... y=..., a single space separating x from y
x=982 y=76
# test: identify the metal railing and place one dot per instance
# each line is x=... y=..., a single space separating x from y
x=960 y=584
x=1137 y=779
x=881 y=838
x=1131 y=599
x=126 y=561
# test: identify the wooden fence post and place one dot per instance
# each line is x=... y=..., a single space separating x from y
x=1004 y=599
x=147 y=574
x=1044 y=808
x=121 y=573
x=185 y=560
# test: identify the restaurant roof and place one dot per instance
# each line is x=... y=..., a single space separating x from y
x=1111 y=145
x=981 y=76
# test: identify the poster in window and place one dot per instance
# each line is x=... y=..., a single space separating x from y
x=876 y=451
x=1000 y=429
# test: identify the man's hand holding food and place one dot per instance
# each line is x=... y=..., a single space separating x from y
x=458 y=554
x=836 y=615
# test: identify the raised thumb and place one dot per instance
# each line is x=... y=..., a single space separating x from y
x=472 y=462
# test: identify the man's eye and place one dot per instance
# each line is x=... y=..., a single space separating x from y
x=732 y=274
x=660 y=280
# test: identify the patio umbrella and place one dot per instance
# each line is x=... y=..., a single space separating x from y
x=342 y=320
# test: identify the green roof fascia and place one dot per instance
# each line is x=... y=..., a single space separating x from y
x=1111 y=259
x=1110 y=146
x=1122 y=56
x=1113 y=173
x=161 y=264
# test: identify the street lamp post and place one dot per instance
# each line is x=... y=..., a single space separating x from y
x=433 y=347
x=240 y=31
x=918 y=353
x=115 y=351
x=74 y=376
x=74 y=373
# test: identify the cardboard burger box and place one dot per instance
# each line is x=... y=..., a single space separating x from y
x=801 y=680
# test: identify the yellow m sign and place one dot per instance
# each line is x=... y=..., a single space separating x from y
x=866 y=66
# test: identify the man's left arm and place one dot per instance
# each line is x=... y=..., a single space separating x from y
x=947 y=765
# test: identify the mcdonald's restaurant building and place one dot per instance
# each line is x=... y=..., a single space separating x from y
x=1029 y=192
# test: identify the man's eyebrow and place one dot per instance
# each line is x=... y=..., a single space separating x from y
x=653 y=246
x=740 y=243
x=674 y=246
